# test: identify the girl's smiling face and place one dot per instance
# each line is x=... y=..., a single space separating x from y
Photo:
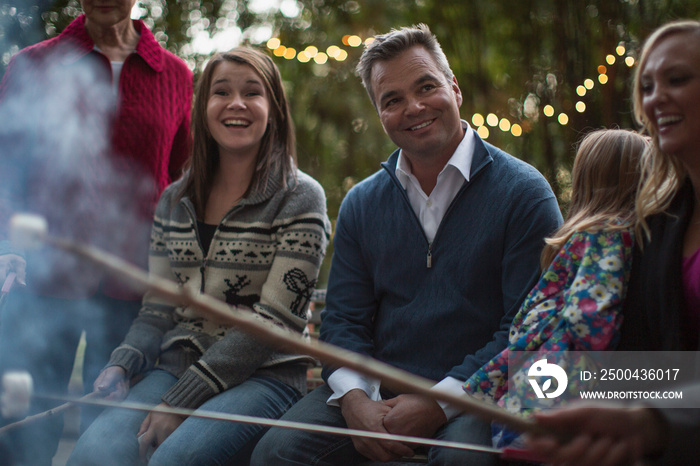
x=238 y=109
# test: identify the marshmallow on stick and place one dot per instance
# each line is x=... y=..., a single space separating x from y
x=17 y=387
x=28 y=231
x=47 y=414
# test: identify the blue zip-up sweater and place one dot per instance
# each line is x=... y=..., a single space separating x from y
x=440 y=309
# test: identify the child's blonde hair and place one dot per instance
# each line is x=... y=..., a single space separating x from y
x=605 y=180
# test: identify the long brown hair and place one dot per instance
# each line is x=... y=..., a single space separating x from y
x=663 y=173
x=605 y=180
x=278 y=147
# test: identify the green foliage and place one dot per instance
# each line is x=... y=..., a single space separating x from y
x=510 y=58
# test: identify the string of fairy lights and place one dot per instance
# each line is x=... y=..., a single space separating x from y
x=312 y=52
x=483 y=124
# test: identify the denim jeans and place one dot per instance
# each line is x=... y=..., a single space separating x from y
x=111 y=439
x=286 y=447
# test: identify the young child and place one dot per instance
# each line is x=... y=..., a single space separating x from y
x=246 y=227
x=577 y=303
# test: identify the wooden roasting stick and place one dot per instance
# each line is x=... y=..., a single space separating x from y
x=7 y=286
x=394 y=378
x=219 y=416
x=51 y=412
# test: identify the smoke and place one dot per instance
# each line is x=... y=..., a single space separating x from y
x=20 y=25
x=56 y=159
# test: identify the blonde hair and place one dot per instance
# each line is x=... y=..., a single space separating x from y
x=605 y=180
x=663 y=173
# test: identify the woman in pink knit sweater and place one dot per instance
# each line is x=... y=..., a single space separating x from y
x=95 y=124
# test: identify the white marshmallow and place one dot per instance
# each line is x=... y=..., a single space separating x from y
x=27 y=231
x=17 y=388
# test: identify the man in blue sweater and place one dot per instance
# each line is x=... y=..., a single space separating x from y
x=433 y=255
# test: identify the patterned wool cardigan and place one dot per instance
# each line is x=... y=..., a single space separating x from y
x=265 y=256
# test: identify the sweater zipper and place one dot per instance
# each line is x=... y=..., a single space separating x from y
x=429 y=256
x=193 y=218
x=202 y=268
x=437 y=232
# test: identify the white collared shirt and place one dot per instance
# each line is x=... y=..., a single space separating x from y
x=430 y=210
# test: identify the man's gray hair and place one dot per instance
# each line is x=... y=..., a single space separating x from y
x=390 y=45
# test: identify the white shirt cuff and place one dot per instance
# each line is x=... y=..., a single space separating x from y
x=343 y=380
x=453 y=386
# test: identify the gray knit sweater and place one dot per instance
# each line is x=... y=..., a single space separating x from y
x=264 y=258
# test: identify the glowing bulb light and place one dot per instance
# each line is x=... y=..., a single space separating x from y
x=504 y=125
x=273 y=43
x=483 y=132
x=311 y=51
x=354 y=41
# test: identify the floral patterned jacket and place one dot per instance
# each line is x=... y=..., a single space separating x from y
x=576 y=305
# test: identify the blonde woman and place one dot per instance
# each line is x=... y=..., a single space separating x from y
x=662 y=312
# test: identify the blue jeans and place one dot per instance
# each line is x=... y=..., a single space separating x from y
x=286 y=447
x=111 y=439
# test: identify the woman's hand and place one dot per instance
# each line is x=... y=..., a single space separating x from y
x=112 y=381
x=13 y=263
x=155 y=429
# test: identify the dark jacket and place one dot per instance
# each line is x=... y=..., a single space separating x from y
x=653 y=311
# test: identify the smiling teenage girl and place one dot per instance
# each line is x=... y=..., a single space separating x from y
x=244 y=226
